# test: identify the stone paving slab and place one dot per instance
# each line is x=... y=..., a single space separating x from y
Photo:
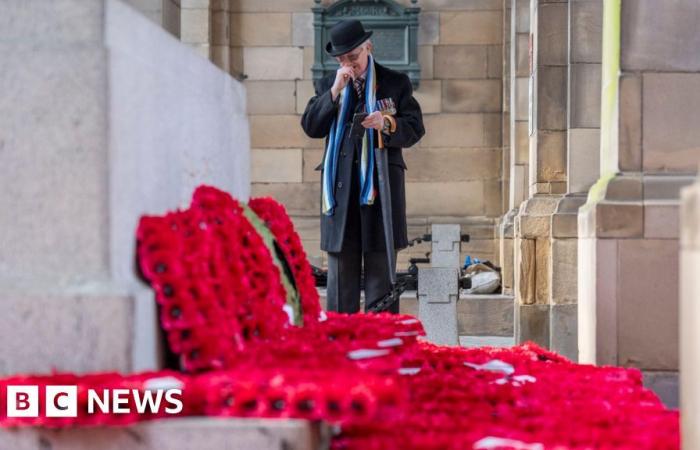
x=176 y=434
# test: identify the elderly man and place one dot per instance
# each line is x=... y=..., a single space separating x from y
x=351 y=219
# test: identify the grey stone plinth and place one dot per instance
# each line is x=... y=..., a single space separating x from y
x=438 y=290
x=81 y=332
x=445 y=248
x=177 y=434
x=104 y=117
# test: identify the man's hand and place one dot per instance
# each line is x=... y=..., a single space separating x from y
x=342 y=77
x=374 y=120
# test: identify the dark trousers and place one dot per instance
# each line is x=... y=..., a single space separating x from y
x=345 y=267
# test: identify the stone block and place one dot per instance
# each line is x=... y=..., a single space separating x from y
x=552 y=34
x=453 y=130
x=493 y=198
x=445 y=245
x=586 y=31
x=268 y=29
x=551 y=98
x=236 y=62
x=452 y=5
x=460 y=61
x=270 y=97
x=551 y=156
x=471 y=95
x=303 y=93
x=302 y=199
x=425 y=59
x=524 y=271
x=439 y=164
x=312 y=158
x=493 y=131
x=194 y=26
x=625 y=188
x=471 y=27
x=532 y=324
x=664 y=187
x=272 y=6
x=273 y=63
x=78 y=332
x=220 y=56
x=584 y=95
x=485 y=315
x=429 y=28
x=494 y=55
x=519 y=182
x=620 y=220
x=522 y=16
x=194 y=4
x=522 y=51
x=648 y=300
x=564 y=270
x=220 y=33
x=565 y=223
x=438 y=292
x=463 y=198
x=264 y=132
x=429 y=95
x=583 y=159
x=670 y=131
x=563 y=325
x=659 y=47
x=309 y=62
x=521 y=112
x=543 y=265
x=522 y=143
x=276 y=165
x=506 y=260
x=630 y=123
x=303 y=29
x=661 y=219
x=176 y=434
x=307 y=227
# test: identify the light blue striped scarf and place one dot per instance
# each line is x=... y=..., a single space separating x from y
x=335 y=140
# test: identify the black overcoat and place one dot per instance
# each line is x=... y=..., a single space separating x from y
x=316 y=122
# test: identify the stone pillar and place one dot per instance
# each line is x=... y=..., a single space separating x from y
x=92 y=136
x=690 y=316
x=628 y=229
x=547 y=105
x=583 y=138
x=516 y=101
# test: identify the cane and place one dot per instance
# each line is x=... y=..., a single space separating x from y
x=381 y=159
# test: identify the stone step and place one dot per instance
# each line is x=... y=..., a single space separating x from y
x=177 y=434
x=477 y=315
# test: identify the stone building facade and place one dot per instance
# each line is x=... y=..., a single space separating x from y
x=454 y=174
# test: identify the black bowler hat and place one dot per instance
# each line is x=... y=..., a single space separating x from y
x=346 y=35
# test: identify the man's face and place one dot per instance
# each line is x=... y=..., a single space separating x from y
x=356 y=59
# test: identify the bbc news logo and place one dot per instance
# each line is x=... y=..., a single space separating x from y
x=62 y=401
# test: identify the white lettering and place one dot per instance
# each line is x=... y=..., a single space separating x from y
x=120 y=397
x=102 y=403
x=147 y=400
x=176 y=402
